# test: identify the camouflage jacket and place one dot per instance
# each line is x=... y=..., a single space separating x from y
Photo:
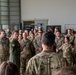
x=37 y=44
x=26 y=54
x=75 y=41
x=68 y=51
x=28 y=45
x=4 y=49
x=44 y=63
x=59 y=41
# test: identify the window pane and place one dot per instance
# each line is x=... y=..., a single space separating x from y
x=14 y=0
x=14 y=8
x=4 y=13
x=4 y=17
x=4 y=4
x=14 y=17
x=9 y=12
x=14 y=4
x=14 y=13
x=12 y=22
x=4 y=22
x=4 y=0
x=4 y=8
x=4 y=27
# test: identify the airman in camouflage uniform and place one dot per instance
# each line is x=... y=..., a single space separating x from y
x=75 y=50
x=56 y=30
x=71 y=36
x=37 y=42
x=75 y=42
x=27 y=53
x=47 y=62
x=4 y=47
x=59 y=40
x=68 y=51
x=15 y=49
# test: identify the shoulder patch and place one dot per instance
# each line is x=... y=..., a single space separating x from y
x=13 y=45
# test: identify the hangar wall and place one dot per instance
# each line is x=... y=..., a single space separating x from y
x=58 y=12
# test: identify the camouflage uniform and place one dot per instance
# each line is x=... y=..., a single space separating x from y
x=68 y=53
x=15 y=52
x=28 y=45
x=26 y=54
x=36 y=34
x=44 y=63
x=75 y=42
x=32 y=40
x=29 y=38
x=59 y=42
x=4 y=49
x=37 y=44
x=74 y=56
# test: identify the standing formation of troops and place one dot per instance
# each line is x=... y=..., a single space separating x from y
x=38 y=52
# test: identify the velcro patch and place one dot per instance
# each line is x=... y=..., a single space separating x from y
x=13 y=45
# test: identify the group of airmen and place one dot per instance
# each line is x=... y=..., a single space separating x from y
x=37 y=52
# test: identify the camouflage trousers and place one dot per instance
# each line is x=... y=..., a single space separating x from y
x=23 y=65
x=69 y=61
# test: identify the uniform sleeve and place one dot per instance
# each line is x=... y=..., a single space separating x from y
x=72 y=49
x=62 y=47
x=35 y=44
x=13 y=44
x=72 y=40
x=30 y=68
x=59 y=61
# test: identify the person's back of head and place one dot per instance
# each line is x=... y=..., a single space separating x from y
x=8 y=68
x=48 y=38
x=67 y=71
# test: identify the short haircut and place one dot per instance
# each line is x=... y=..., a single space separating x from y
x=48 y=38
x=8 y=68
x=67 y=71
x=16 y=31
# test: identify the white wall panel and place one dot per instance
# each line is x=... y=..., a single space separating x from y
x=58 y=12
